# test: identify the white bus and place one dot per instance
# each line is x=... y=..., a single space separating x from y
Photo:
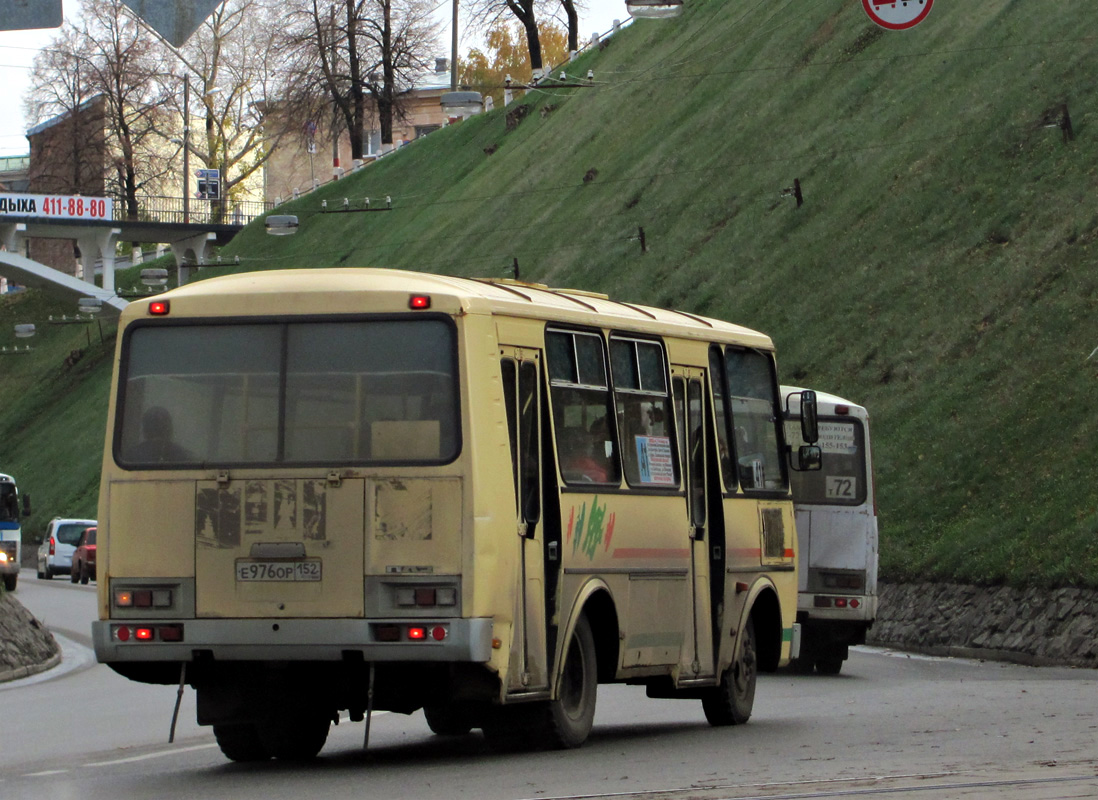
x=836 y=512
x=11 y=530
x=371 y=489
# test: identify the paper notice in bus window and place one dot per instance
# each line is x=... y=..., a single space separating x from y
x=837 y=437
x=654 y=460
x=841 y=488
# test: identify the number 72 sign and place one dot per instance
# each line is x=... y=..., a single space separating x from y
x=897 y=15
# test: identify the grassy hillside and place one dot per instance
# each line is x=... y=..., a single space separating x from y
x=940 y=269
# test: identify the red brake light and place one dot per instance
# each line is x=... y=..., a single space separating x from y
x=52 y=545
x=159 y=308
x=417 y=633
x=438 y=633
x=419 y=301
x=143 y=634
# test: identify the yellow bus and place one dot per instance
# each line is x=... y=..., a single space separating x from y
x=366 y=489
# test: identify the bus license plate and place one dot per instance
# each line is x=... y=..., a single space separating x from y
x=278 y=570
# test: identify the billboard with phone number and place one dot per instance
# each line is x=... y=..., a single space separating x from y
x=53 y=206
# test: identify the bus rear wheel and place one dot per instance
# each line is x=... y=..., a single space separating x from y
x=570 y=717
x=731 y=702
x=295 y=737
x=240 y=742
x=447 y=721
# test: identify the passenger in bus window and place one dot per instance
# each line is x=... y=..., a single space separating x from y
x=582 y=459
x=157 y=444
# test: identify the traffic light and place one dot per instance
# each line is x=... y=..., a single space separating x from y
x=209 y=184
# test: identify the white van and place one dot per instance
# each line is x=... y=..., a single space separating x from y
x=836 y=513
x=58 y=545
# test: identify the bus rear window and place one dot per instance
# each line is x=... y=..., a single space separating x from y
x=842 y=478
x=282 y=393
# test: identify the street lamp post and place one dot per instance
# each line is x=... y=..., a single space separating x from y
x=186 y=147
x=454 y=50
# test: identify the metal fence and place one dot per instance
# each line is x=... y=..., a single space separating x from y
x=200 y=212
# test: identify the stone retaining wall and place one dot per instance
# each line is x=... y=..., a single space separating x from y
x=1029 y=626
x=26 y=647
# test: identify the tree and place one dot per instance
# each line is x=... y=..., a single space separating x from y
x=61 y=89
x=572 y=17
x=351 y=52
x=488 y=15
x=119 y=62
x=234 y=74
x=506 y=53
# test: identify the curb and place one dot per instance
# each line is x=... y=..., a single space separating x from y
x=33 y=669
x=984 y=654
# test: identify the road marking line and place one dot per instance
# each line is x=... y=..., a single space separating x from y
x=44 y=774
x=147 y=756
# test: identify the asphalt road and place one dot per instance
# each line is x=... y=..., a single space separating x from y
x=890 y=724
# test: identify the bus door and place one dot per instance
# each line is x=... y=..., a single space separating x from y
x=520 y=368
x=688 y=383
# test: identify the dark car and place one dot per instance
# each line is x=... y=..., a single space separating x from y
x=83 y=558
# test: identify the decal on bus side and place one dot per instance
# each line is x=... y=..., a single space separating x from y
x=587 y=533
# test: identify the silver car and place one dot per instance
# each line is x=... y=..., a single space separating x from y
x=58 y=545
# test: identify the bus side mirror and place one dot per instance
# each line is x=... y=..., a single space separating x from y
x=809 y=458
x=26 y=505
x=810 y=428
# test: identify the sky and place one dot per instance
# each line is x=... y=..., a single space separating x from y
x=18 y=48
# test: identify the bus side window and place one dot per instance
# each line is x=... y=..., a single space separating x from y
x=582 y=403
x=720 y=393
x=643 y=406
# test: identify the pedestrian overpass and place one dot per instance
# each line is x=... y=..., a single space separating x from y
x=97 y=240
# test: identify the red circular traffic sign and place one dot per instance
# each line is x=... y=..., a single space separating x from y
x=897 y=15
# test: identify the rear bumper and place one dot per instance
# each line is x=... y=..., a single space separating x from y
x=467 y=640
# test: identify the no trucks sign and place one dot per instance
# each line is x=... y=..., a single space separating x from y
x=897 y=15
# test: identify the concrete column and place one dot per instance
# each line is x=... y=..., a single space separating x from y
x=12 y=235
x=98 y=244
x=195 y=245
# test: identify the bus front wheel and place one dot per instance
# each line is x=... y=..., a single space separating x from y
x=731 y=702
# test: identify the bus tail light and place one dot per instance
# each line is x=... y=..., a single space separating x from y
x=160 y=308
x=147 y=633
x=425 y=596
x=143 y=598
x=824 y=601
x=410 y=633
